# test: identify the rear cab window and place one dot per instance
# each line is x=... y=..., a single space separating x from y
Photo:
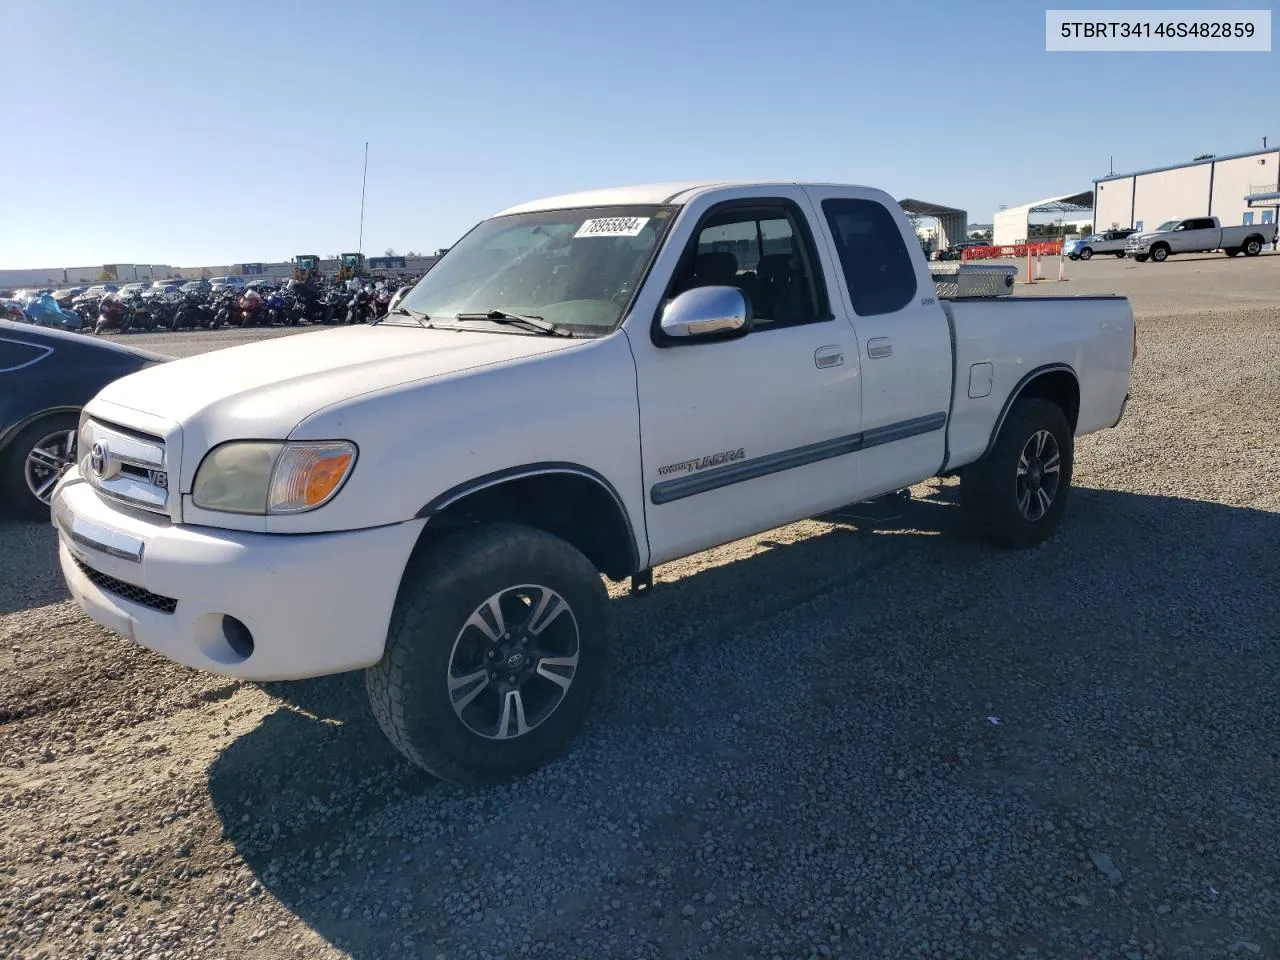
x=878 y=270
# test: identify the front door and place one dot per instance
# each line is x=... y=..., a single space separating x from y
x=743 y=435
x=902 y=334
x=1194 y=235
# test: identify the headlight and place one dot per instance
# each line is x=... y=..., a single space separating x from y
x=261 y=478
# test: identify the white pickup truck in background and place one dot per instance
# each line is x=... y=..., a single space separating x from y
x=1198 y=235
x=589 y=384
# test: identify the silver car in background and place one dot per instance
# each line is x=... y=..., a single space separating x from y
x=1084 y=248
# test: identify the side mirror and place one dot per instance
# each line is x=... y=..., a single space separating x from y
x=719 y=313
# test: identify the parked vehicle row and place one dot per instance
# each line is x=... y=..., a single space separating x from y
x=165 y=305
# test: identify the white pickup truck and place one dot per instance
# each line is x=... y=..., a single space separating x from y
x=1198 y=235
x=589 y=384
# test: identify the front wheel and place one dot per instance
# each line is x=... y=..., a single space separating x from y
x=1160 y=254
x=1120 y=254
x=1140 y=257
x=496 y=644
x=37 y=456
x=1231 y=251
x=1086 y=254
x=1018 y=492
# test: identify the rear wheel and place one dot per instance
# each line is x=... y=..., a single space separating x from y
x=1018 y=492
x=496 y=645
x=36 y=458
x=1252 y=247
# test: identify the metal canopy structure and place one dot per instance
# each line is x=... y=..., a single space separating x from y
x=1010 y=226
x=951 y=222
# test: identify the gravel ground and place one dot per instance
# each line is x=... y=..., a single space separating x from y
x=1065 y=753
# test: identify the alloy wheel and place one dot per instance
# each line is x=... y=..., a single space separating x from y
x=46 y=461
x=513 y=662
x=1039 y=473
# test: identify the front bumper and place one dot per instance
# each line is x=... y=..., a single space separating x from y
x=314 y=604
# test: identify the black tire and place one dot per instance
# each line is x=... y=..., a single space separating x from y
x=19 y=497
x=1231 y=251
x=1252 y=247
x=1120 y=254
x=1159 y=253
x=995 y=490
x=431 y=638
x=1086 y=253
x=1140 y=257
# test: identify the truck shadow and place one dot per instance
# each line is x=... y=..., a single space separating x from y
x=323 y=811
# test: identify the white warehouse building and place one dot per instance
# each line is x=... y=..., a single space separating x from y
x=1238 y=189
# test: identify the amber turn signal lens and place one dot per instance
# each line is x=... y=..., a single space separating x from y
x=309 y=474
x=325 y=477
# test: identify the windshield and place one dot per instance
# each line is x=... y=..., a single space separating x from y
x=1167 y=225
x=575 y=268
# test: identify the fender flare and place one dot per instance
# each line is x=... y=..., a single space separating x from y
x=1016 y=392
x=455 y=493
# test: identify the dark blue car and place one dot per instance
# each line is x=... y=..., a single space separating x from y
x=46 y=376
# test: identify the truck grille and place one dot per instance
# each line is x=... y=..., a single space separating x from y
x=127 y=591
x=125 y=465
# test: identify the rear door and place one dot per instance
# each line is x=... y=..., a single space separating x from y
x=903 y=338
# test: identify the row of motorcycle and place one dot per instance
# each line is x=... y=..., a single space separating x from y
x=256 y=307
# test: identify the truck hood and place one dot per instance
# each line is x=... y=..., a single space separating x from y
x=265 y=389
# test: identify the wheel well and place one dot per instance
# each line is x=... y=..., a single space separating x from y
x=1254 y=236
x=1059 y=387
x=7 y=436
x=571 y=506
x=1160 y=243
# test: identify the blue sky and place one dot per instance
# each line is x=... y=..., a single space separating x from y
x=190 y=133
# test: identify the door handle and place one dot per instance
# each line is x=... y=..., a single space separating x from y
x=879 y=347
x=829 y=356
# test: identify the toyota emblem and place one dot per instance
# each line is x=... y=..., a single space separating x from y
x=98 y=454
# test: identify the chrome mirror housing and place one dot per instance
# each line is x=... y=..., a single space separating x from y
x=719 y=312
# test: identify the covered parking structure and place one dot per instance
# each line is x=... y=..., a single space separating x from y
x=951 y=222
x=1011 y=226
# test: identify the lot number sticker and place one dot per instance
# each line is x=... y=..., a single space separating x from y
x=612 y=227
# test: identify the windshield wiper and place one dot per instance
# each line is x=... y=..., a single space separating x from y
x=422 y=319
x=528 y=321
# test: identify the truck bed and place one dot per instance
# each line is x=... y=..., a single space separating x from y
x=1002 y=341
